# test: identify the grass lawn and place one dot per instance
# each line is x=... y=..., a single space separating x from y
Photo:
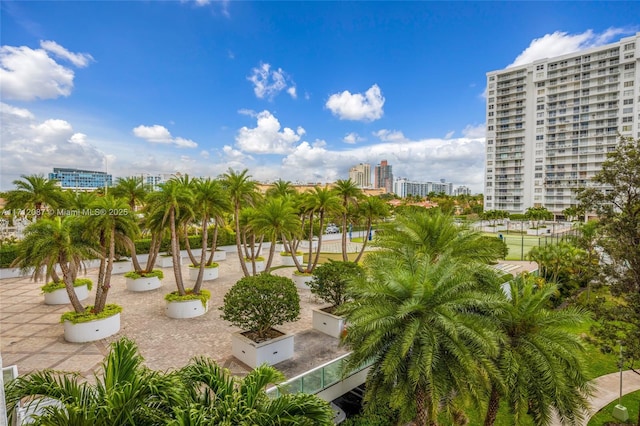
x=604 y=417
x=519 y=245
x=324 y=257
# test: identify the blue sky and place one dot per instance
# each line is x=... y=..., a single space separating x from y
x=292 y=90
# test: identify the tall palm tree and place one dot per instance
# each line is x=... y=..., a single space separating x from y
x=218 y=398
x=541 y=362
x=59 y=240
x=425 y=331
x=371 y=208
x=131 y=189
x=281 y=188
x=275 y=218
x=34 y=191
x=318 y=202
x=242 y=191
x=349 y=192
x=124 y=393
x=171 y=202
x=210 y=201
x=113 y=223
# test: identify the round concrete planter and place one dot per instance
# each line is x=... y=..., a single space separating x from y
x=186 y=309
x=271 y=351
x=166 y=261
x=60 y=296
x=302 y=281
x=219 y=255
x=208 y=273
x=121 y=267
x=143 y=283
x=91 y=331
x=259 y=265
x=287 y=260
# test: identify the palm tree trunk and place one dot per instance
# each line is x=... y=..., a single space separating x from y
x=101 y=272
x=214 y=244
x=68 y=285
x=154 y=249
x=309 y=260
x=344 y=234
x=272 y=251
x=492 y=407
x=175 y=254
x=187 y=245
x=54 y=275
x=295 y=259
x=245 y=271
x=203 y=255
x=102 y=300
x=364 y=241
x=317 y=256
x=422 y=410
x=134 y=255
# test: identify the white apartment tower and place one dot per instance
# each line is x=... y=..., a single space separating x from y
x=361 y=175
x=550 y=124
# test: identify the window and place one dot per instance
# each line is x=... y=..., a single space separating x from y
x=540 y=107
x=490 y=128
x=539 y=137
x=629 y=46
x=627 y=102
x=539 y=122
x=490 y=106
x=539 y=67
x=491 y=114
x=540 y=84
x=629 y=66
x=628 y=83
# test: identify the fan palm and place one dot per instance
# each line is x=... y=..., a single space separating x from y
x=218 y=398
x=349 y=192
x=34 y=191
x=125 y=393
x=541 y=362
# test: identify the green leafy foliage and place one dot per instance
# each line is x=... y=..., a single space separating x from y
x=330 y=281
x=8 y=253
x=258 y=303
x=88 y=314
x=203 y=296
x=52 y=286
x=135 y=275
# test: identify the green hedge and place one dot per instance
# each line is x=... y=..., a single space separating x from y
x=8 y=253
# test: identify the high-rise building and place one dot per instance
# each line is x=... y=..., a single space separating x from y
x=361 y=175
x=83 y=180
x=383 y=176
x=404 y=187
x=550 y=124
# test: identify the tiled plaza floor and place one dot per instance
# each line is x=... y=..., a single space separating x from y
x=32 y=337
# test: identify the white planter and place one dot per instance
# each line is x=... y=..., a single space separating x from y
x=92 y=330
x=143 y=283
x=327 y=323
x=122 y=267
x=259 y=265
x=186 y=309
x=60 y=296
x=287 y=260
x=208 y=273
x=302 y=281
x=166 y=261
x=254 y=354
x=219 y=255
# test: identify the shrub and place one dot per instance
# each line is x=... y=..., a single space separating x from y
x=135 y=275
x=213 y=265
x=88 y=315
x=257 y=259
x=174 y=296
x=53 y=286
x=8 y=253
x=330 y=280
x=258 y=303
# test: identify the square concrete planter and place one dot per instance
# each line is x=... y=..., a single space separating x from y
x=210 y=273
x=327 y=323
x=271 y=351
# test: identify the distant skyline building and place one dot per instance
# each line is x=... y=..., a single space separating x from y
x=383 y=176
x=77 y=179
x=361 y=175
x=551 y=123
x=404 y=187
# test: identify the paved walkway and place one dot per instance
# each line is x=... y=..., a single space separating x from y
x=32 y=337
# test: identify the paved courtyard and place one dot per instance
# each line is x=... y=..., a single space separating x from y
x=32 y=337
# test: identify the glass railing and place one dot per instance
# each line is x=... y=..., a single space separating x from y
x=316 y=379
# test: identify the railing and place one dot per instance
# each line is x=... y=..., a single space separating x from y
x=317 y=379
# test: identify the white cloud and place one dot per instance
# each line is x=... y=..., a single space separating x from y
x=160 y=134
x=474 y=131
x=267 y=83
x=80 y=60
x=450 y=134
x=352 y=138
x=10 y=110
x=560 y=43
x=266 y=137
x=204 y=154
x=389 y=135
x=357 y=106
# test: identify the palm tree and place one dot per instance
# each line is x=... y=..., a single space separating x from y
x=218 y=398
x=210 y=202
x=113 y=223
x=241 y=190
x=78 y=201
x=281 y=188
x=541 y=363
x=372 y=208
x=171 y=202
x=349 y=192
x=34 y=191
x=59 y=240
x=131 y=189
x=321 y=202
x=422 y=325
x=274 y=218
x=125 y=393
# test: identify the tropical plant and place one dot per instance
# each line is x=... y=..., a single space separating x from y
x=260 y=302
x=124 y=393
x=62 y=241
x=34 y=191
x=317 y=203
x=131 y=189
x=537 y=214
x=216 y=397
x=422 y=323
x=371 y=209
x=541 y=362
x=562 y=264
x=242 y=191
x=330 y=281
x=281 y=188
x=349 y=193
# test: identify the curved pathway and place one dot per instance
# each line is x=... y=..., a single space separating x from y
x=607 y=390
